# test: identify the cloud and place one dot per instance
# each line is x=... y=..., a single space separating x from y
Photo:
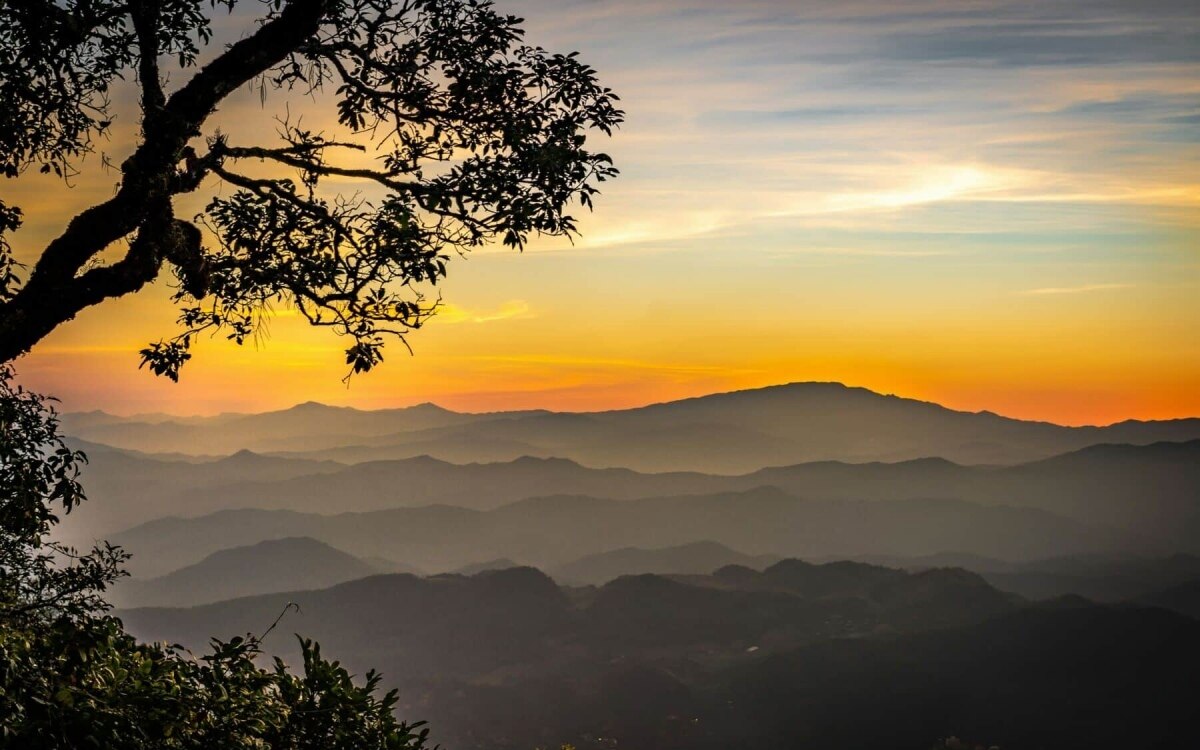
x=1075 y=289
x=512 y=310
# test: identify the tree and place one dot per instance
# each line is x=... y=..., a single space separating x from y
x=70 y=677
x=475 y=136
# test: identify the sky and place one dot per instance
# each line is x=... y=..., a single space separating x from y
x=991 y=205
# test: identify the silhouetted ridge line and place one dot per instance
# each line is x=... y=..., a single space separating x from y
x=728 y=433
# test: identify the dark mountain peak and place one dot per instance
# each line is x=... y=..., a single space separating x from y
x=927 y=462
x=300 y=547
x=284 y=564
x=737 y=574
x=1146 y=422
x=516 y=576
x=544 y=462
x=812 y=386
x=900 y=469
x=836 y=578
x=386 y=466
x=832 y=391
x=1163 y=450
x=704 y=545
x=951 y=576
x=246 y=460
x=522 y=587
x=316 y=406
x=641 y=584
x=246 y=457
x=422 y=460
x=948 y=595
x=691 y=558
x=427 y=407
x=798 y=388
x=500 y=563
x=789 y=566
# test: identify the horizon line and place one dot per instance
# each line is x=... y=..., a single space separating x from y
x=712 y=394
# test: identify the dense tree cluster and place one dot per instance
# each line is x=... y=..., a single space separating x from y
x=71 y=677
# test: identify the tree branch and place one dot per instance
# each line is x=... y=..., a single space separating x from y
x=289 y=157
x=47 y=298
x=145 y=17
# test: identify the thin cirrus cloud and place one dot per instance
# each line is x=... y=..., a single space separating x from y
x=829 y=114
x=1081 y=289
x=516 y=309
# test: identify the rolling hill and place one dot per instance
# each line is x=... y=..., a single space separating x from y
x=696 y=557
x=265 y=567
x=842 y=655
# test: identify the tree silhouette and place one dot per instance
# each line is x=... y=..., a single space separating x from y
x=466 y=133
x=71 y=677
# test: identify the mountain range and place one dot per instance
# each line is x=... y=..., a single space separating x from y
x=733 y=432
x=844 y=655
x=554 y=530
x=807 y=565
x=1144 y=495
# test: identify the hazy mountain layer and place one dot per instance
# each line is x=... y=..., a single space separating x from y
x=842 y=655
x=726 y=433
x=1102 y=578
x=1184 y=598
x=125 y=488
x=266 y=567
x=695 y=558
x=556 y=530
x=1148 y=493
x=459 y=626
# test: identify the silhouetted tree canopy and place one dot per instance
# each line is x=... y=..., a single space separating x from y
x=71 y=677
x=466 y=133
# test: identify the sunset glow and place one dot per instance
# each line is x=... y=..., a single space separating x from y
x=990 y=205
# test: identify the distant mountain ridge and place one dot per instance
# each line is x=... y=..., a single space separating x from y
x=555 y=530
x=1149 y=491
x=731 y=432
x=693 y=557
x=264 y=567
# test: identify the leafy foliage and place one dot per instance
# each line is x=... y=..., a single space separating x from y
x=468 y=135
x=58 y=64
x=71 y=677
x=458 y=131
x=10 y=220
x=86 y=683
x=41 y=579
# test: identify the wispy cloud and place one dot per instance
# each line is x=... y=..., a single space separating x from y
x=862 y=181
x=513 y=309
x=1075 y=289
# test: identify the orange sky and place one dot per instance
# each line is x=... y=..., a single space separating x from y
x=816 y=197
